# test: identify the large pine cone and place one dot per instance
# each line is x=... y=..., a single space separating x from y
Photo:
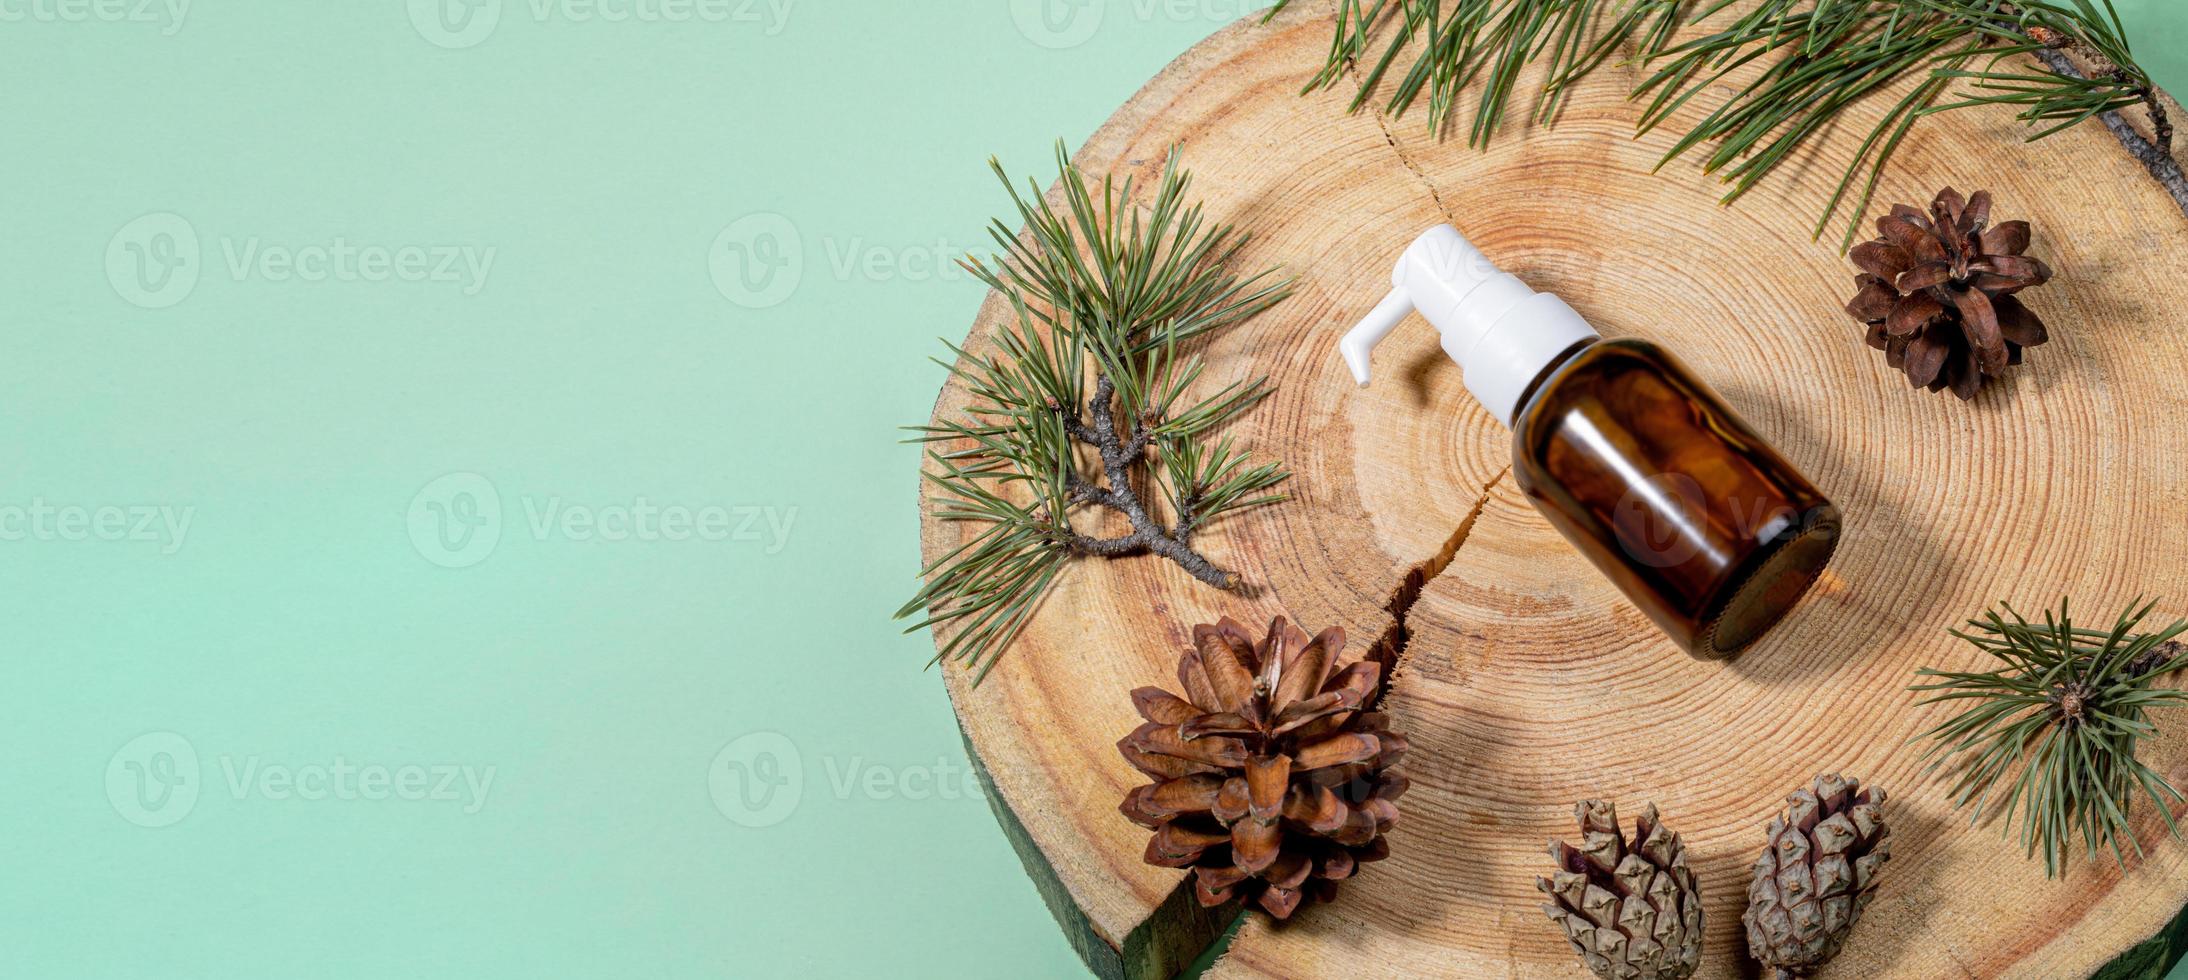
x=1816 y=875
x=1631 y=909
x=1271 y=782
x=1938 y=292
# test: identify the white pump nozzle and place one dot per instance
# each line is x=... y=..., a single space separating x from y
x=1503 y=334
x=1360 y=343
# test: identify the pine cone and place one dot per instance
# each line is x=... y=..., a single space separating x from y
x=1816 y=874
x=1938 y=292
x=1272 y=783
x=1631 y=909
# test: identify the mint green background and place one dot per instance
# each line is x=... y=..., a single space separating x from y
x=297 y=623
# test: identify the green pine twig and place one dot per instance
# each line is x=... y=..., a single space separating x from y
x=2048 y=738
x=1092 y=386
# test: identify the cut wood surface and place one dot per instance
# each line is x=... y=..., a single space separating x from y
x=1527 y=683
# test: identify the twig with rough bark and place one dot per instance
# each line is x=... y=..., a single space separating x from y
x=1148 y=536
x=2155 y=151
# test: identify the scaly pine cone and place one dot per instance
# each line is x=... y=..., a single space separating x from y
x=1938 y=292
x=1272 y=783
x=1631 y=909
x=1816 y=874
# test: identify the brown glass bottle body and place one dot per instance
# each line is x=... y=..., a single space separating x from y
x=1647 y=472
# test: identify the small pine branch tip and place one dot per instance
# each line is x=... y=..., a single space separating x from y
x=1780 y=72
x=2048 y=738
x=1091 y=402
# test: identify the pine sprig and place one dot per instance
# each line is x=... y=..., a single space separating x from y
x=2048 y=738
x=1794 y=68
x=1092 y=384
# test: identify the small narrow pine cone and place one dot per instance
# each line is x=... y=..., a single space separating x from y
x=1816 y=874
x=1631 y=908
x=1270 y=779
x=1938 y=292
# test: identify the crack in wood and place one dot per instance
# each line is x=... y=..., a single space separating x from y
x=1382 y=122
x=1392 y=139
x=1390 y=648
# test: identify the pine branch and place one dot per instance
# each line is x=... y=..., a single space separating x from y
x=1794 y=67
x=1105 y=298
x=2054 y=729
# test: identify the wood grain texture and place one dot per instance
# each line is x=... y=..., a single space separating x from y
x=1528 y=683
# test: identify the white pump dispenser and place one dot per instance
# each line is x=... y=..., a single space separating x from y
x=1501 y=333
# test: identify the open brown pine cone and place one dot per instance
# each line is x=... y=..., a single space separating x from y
x=1938 y=292
x=1271 y=780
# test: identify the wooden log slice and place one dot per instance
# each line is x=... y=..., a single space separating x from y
x=1527 y=683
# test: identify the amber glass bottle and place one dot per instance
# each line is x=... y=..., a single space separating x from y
x=1703 y=525
x=1707 y=529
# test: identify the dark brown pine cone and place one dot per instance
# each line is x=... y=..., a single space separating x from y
x=1937 y=292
